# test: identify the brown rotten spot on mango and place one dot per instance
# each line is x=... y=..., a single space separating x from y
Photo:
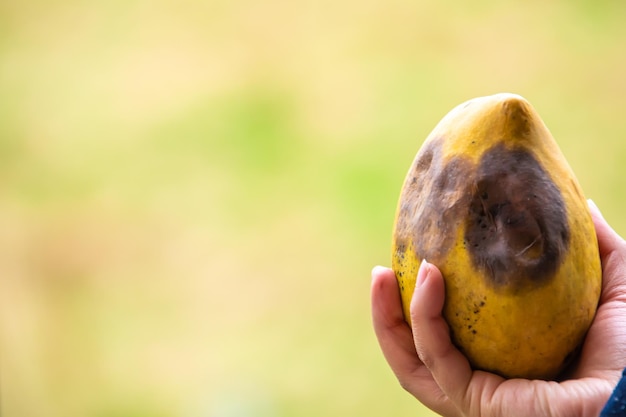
x=516 y=229
x=514 y=217
x=433 y=203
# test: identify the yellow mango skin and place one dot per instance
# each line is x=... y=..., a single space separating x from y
x=492 y=202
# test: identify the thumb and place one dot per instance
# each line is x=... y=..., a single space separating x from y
x=448 y=366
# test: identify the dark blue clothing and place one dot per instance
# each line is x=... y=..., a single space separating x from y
x=616 y=406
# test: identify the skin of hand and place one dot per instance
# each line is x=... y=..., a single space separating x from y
x=433 y=370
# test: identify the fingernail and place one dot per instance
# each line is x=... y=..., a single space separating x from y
x=377 y=270
x=594 y=207
x=422 y=273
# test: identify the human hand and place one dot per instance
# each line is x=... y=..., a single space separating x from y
x=433 y=370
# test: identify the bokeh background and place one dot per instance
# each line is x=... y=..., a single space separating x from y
x=193 y=193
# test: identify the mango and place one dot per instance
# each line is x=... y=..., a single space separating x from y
x=492 y=202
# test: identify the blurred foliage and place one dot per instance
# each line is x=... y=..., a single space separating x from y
x=193 y=193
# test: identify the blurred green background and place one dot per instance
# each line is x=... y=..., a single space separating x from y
x=193 y=193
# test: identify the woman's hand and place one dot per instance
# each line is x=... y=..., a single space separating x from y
x=431 y=368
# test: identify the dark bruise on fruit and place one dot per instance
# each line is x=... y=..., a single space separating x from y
x=514 y=216
x=517 y=231
x=432 y=203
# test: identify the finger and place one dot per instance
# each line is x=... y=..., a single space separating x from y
x=396 y=341
x=612 y=254
x=608 y=240
x=447 y=364
x=392 y=331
